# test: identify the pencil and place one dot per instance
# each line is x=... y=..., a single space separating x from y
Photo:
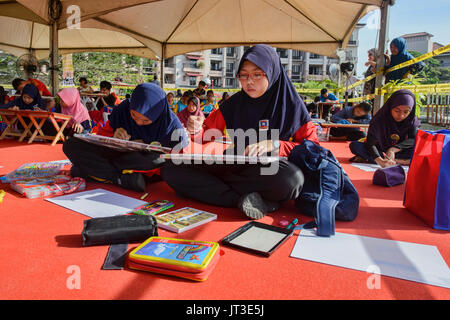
x=144 y=196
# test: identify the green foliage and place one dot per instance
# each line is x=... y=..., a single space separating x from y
x=99 y=66
x=7 y=68
x=432 y=72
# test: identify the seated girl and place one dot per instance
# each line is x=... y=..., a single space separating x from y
x=4 y=99
x=170 y=100
x=225 y=96
x=30 y=99
x=392 y=133
x=182 y=103
x=145 y=117
x=359 y=114
x=192 y=117
x=267 y=104
x=70 y=104
x=209 y=105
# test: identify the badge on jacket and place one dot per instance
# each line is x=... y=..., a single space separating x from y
x=263 y=125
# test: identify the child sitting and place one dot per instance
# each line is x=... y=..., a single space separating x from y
x=359 y=114
x=313 y=108
x=110 y=100
x=209 y=105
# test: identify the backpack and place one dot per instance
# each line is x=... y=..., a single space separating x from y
x=328 y=193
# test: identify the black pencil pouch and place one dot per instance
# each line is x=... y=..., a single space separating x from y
x=118 y=229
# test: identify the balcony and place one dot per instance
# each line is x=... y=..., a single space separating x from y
x=188 y=68
x=216 y=72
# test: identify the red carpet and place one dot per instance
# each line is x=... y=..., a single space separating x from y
x=40 y=242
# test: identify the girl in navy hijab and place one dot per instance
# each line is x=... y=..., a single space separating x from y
x=268 y=101
x=398 y=56
x=145 y=117
x=30 y=99
x=392 y=132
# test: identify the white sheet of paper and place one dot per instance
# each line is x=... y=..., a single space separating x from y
x=258 y=239
x=372 y=167
x=97 y=203
x=398 y=259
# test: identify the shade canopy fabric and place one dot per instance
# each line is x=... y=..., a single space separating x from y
x=165 y=28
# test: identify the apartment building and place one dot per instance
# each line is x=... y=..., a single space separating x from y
x=218 y=66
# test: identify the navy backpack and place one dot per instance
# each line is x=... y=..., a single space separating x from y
x=327 y=194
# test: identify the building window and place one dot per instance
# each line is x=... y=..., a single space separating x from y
x=296 y=54
x=193 y=64
x=282 y=53
x=314 y=56
x=216 y=65
x=315 y=70
x=192 y=81
x=216 y=51
x=216 y=82
x=229 y=82
x=231 y=51
x=296 y=69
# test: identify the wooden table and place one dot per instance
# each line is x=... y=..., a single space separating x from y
x=329 y=125
x=34 y=128
x=86 y=98
x=320 y=106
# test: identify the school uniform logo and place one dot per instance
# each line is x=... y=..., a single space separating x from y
x=263 y=125
x=395 y=138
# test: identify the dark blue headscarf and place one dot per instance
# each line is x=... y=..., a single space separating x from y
x=33 y=92
x=149 y=100
x=402 y=56
x=385 y=129
x=280 y=104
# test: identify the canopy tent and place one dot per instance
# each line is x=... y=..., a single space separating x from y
x=165 y=28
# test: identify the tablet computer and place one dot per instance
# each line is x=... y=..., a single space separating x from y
x=259 y=238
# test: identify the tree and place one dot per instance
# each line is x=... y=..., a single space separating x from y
x=432 y=71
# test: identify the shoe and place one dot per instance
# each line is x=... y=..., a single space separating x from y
x=357 y=159
x=134 y=181
x=254 y=206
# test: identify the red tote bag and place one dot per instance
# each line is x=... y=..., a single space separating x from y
x=426 y=192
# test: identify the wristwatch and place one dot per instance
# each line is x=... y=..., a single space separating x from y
x=276 y=144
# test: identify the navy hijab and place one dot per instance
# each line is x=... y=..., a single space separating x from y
x=33 y=92
x=149 y=100
x=385 y=129
x=280 y=104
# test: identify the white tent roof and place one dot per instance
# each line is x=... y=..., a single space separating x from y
x=165 y=28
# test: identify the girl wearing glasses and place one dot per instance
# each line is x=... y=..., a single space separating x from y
x=268 y=101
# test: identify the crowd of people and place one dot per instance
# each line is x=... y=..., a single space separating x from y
x=268 y=101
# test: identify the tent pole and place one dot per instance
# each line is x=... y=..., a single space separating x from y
x=383 y=37
x=163 y=54
x=54 y=57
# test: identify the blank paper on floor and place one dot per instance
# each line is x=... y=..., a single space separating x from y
x=97 y=203
x=404 y=260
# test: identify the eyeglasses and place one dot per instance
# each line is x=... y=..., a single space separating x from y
x=254 y=76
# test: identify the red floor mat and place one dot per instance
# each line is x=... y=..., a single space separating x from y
x=41 y=247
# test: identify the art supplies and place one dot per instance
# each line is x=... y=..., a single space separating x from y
x=259 y=238
x=184 y=219
x=98 y=203
x=48 y=186
x=153 y=208
x=398 y=259
x=35 y=170
x=188 y=158
x=119 y=144
x=118 y=229
x=372 y=167
x=194 y=260
x=2 y=195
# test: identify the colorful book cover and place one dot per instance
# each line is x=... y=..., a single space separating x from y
x=176 y=251
x=184 y=219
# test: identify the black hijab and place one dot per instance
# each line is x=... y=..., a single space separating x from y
x=280 y=105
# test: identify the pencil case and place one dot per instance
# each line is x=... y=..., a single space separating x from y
x=189 y=259
x=118 y=229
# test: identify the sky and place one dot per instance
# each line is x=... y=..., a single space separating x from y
x=406 y=16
